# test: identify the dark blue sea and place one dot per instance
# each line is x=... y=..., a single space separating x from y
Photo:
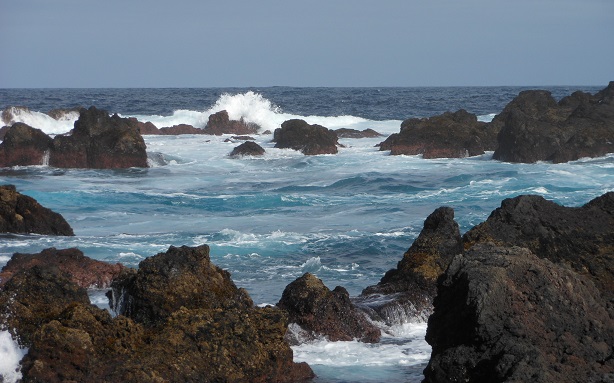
x=347 y=218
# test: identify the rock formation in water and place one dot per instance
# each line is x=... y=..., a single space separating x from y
x=322 y=312
x=506 y=315
x=450 y=135
x=219 y=123
x=24 y=145
x=353 y=133
x=309 y=139
x=185 y=322
x=24 y=215
x=248 y=148
x=534 y=127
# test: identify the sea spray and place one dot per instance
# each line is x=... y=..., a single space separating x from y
x=10 y=356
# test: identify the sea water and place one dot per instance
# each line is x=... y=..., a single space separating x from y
x=347 y=218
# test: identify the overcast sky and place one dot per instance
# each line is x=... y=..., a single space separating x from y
x=200 y=43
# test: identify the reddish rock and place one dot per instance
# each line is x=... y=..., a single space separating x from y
x=353 y=133
x=99 y=141
x=3 y=131
x=22 y=214
x=309 y=139
x=181 y=129
x=219 y=123
x=24 y=145
x=248 y=148
x=322 y=312
x=144 y=128
x=450 y=135
x=81 y=270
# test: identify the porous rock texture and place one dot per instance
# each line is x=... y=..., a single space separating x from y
x=24 y=215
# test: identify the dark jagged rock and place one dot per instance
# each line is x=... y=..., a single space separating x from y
x=408 y=290
x=22 y=214
x=219 y=341
x=505 y=315
x=99 y=141
x=181 y=277
x=353 y=133
x=248 y=148
x=309 y=139
x=3 y=131
x=319 y=311
x=534 y=127
x=579 y=237
x=450 y=135
x=24 y=145
x=144 y=128
x=219 y=123
x=181 y=129
x=242 y=138
x=81 y=270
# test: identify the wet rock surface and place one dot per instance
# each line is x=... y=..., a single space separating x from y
x=309 y=139
x=24 y=145
x=24 y=215
x=219 y=123
x=322 y=312
x=248 y=148
x=353 y=133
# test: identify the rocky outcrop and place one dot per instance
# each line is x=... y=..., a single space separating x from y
x=144 y=128
x=24 y=215
x=24 y=145
x=407 y=292
x=322 y=312
x=505 y=315
x=534 y=127
x=219 y=338
x=181 y=129
x=219 y=123
x=248 y=148
x=81 y=270
x=309 y=139
x=578 y=237
x=99 y=141
x=450 y=135
x=353 y=133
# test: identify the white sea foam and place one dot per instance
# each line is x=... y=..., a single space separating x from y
x=487 y=117
x=10 y=356
x=42 y=121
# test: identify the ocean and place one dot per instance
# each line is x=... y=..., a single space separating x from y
x=347 y=218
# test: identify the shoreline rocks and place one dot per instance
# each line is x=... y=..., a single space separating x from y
x=219 y=123
x=309 y=139
x=22 y=214
x=248 y=148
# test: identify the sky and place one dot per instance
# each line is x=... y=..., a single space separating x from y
x=243 y=43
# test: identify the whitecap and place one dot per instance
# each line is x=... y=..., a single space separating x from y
x=43 y=121
x=12 y=353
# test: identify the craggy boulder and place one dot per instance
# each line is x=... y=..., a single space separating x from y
x=24 y=215
x=100 y=141
x=248 y=148
x=24 y=145
x=407 y=292
x=450 y=135
x=505 y=315
x=580 y=237
x=534 y=127
x=219 y=123
x=321 y=312
x=81 y=270
x=309 y=139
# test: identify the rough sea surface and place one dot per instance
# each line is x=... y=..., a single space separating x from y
x=347 y=218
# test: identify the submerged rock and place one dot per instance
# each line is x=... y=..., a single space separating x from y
x=219 y=123
x=248 y=148
x=449 y=135
x=503 y=314
x=534 y=127
x=81 y=270
x=407 y=292
x=22 y=214
x=309 y=139
x=24 y=145
x=322 y=312
x=353 y=133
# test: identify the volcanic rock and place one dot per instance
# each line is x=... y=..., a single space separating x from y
x=3 y=131
x=248 y=148
x=219 y=123
x=99 y=141
x=450 y=135
x=353 y=133
x=181 y=277
x=81 y=270
x=22 y=214
x=319 y=311
x=534 y=127
x=144 y=128
x=505 y=315
x=24 y=145
x=181 y=129
x=408 y=291
x=580 y=237
x=309 y=139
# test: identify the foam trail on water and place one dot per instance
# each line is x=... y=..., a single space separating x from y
x=11 y=354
